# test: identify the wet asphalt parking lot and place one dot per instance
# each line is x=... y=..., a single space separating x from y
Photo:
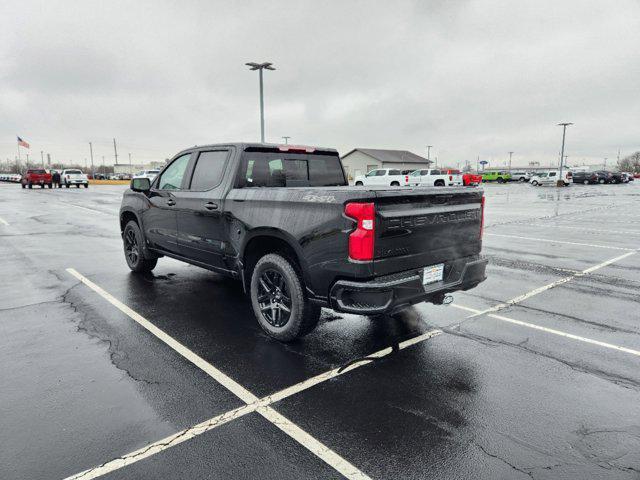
x=534 y=374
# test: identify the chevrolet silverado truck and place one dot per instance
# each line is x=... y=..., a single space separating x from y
x=37 y=176
x=283 y=220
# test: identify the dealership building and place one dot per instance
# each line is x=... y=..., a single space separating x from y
x=359 y=161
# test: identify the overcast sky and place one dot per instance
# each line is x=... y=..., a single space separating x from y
x=468 y=77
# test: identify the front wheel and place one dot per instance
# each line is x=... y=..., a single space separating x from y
x=86 y=185
x=534 y=183
x=279 y=301
x=133 y=250
x=500 y=180
x=601 y=181
x=358 y=184
x=522 y=179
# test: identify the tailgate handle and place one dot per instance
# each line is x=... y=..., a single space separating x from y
x=440 y=199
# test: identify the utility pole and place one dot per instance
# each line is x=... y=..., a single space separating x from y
x=429 y=154
x=42 y=157
x=510 y=153
x=260 y=67
x=436 y=161
x=130 y=169
x=115 y=150
x=91 y=150
x=618 y=155
x=286 y=140
x=560 y=182
x=478 y=164
x=103 y=170
x=49 y=159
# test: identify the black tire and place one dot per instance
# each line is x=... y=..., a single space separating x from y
x=49 y=185
x=439 y=183
x=133 y=241
x=86 y=185
x=534 y=183
x=500 y=180
x=274 y=280
x=601 y=181
x=358 y=184
x=42 y=185
x=24 y=186
x=522 y=179
x=395 y=184
x=66 y=185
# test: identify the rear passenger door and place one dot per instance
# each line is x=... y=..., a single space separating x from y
x=201 y=233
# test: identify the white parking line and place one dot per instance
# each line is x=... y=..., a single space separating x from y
x=558 y=241
x=261 y=406
x=3 y=222
x=93 y=210
x=252 y=402
x=552 y=331
x=551 y=285
x=585 y=229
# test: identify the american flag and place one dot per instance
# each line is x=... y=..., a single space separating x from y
x=22 y=143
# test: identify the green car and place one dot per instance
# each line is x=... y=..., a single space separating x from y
x=500 y=177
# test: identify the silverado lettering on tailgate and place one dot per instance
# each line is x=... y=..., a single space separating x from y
x=433 y=219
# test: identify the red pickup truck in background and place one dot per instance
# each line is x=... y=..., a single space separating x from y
x=37 y=176
x=471 y=179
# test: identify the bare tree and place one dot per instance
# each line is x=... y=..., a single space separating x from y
x=630 y=163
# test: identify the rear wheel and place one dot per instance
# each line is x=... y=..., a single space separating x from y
x=438 y=183
x=534 y=183
x=86 y=185
x=601 y=181
x=279 y=301
x=522 y=179
x=133 y=250
x=500 y=180
x=359 y=184
x=395 y=184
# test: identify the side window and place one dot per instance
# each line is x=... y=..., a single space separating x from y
x=435 y=172
x=172 y=177
x=552 y=174
x=394 y=172
x=372 y=173
x=381 y=173
x=424 y=172
x=209 y=170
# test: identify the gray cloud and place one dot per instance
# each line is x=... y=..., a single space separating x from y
x=469 y=77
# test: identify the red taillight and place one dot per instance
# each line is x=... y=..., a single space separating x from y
x=361 y=239
x=406 y=178
x=450 y=178
x=482 y=216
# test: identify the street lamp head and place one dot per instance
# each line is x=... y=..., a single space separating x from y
x=565 y=124
x=260 y=66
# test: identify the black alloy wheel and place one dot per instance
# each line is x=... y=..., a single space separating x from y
x=131 y=247
x=274 y=298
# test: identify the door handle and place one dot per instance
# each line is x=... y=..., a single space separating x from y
x=171 y=202
x=211 y=206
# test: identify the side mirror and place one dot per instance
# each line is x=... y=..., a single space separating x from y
x=142 y=184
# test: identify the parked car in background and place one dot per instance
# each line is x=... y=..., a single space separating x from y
x=372 y=250
x=520 y=176
x=430 y=178
x=75 y=177
x=616 y=177
x=455 y=177
x=390 y=177
x=37 y=176
x=625 y=177
x=630 y=176
x=551 y=178
x=471 y=179
x=150 y=174
x=604 y=176
x=585 y=177
x=500 y=177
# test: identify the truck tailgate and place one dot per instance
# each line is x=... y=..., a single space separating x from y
x=419 y=227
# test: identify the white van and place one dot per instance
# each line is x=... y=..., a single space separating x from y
x=551 y=178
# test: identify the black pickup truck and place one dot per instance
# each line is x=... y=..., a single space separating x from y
x=284 y=221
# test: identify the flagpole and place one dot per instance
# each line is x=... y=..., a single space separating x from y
x=19 y=159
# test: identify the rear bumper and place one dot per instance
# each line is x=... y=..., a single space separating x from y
x=393 y=293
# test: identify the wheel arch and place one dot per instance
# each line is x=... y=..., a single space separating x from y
x=260 y=242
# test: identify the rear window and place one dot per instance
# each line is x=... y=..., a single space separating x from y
x=266 y=169
x=73 y=172
x=39 y=171
x=394 y=172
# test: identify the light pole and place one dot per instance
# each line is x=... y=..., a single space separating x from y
x=429 y=154
x=260 y=67
x=560 y=182
x=286 y=140
x=91 y=150
x=510 y=153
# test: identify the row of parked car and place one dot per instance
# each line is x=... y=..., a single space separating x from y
x=432 y=177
